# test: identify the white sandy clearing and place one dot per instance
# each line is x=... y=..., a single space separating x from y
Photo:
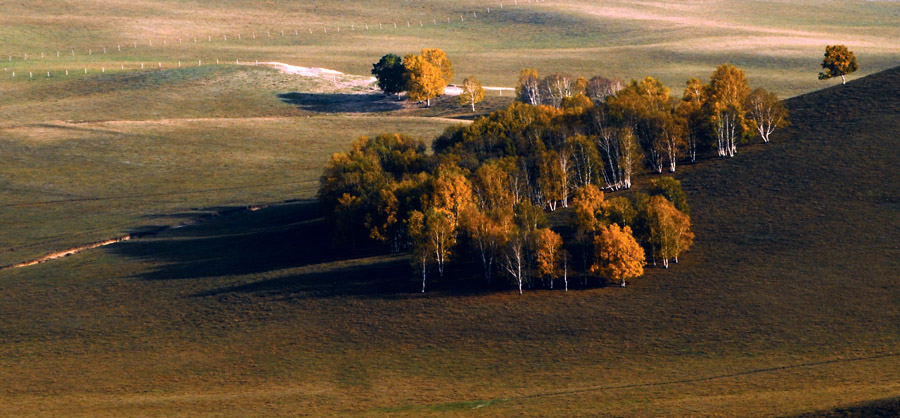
x=307 y=71
x=340 y=81
x=324 y=73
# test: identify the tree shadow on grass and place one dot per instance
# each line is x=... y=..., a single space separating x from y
x=259 y=245
x=341 y=103
x=889 y=407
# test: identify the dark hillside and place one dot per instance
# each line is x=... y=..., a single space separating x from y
x=788 y=303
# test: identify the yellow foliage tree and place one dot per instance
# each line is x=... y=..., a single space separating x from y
x=838 y=61
x=424 y=80
x=548 y=253
x=725 y=96
x=439 y=59
x=472 y=92
x=588 y=204
x=618 y=255
x=452 y=192
x=670 y=230
x=487 y=231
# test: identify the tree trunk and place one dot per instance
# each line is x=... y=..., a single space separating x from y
x=473 y=106
x=424 y=273
x=843 y=80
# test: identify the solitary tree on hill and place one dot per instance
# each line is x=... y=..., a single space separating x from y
x=838 y=61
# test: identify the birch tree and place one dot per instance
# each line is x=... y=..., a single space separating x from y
x=644 y=107
x=421 y=251
x=472 y=92
x=725 y=97
x=629 y=153
x=548 y=253
x=670 y=230
x=670 y=135
x=588 y=204
x=441 y=234
x=587 y=162
x=514 y=254
x=440 y=60
x=690 y=111
x=618 y=255
x=599 y=88
x=452 y=192
x=529 y=88
x=766 y=112
x=487 y=231
x=839 y=61
x=556 y=87
x=424 y=80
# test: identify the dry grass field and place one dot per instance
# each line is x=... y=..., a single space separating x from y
x=788 y=305
x=780 y=43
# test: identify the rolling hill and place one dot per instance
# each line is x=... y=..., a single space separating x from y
x=789 y=303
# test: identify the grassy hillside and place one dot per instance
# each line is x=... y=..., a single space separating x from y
x=100 y=156
x=788 y=303
x=779 y=43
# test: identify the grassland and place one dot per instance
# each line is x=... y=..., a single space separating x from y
x=779 y=43
x=789 y=303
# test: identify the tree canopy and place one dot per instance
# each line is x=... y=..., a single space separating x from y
x=481 y=196
x=472 y=92
x=427 y=74
x=389 y=72
x=839 y=61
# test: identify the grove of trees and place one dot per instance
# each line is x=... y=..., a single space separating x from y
x=422 y=76
x=481 y=197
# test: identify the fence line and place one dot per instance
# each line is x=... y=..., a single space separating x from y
x=320 y=29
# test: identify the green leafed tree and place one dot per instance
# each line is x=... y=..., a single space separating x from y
x=839 y=61
x=390 y=74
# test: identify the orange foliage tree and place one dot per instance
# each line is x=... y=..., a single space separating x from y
x=618 y=255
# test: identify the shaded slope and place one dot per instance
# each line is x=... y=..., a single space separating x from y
x=789 y=303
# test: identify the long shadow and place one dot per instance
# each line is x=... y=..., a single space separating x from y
x=289 y=236
x=883 y=408
x=341 y=103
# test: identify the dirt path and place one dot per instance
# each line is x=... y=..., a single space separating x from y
x=454 y=90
